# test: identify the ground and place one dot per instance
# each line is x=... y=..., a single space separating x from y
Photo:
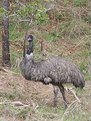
x=39 y=101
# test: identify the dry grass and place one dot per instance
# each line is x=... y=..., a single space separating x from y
x=38 y=99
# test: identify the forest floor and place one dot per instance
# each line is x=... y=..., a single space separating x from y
x=35 y=101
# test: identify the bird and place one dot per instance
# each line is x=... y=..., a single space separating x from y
x=54 y=70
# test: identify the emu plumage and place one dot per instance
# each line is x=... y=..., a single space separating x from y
x=54 y=70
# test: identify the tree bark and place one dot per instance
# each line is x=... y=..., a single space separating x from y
x=5 y=36
x=89 y=68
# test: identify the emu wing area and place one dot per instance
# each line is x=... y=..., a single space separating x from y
x=58 y=69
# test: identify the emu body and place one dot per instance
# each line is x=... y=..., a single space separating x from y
x=54 y=70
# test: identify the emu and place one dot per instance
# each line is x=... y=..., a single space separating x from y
x=54 y=70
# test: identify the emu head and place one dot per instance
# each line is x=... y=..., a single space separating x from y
x=29 y=52
x=29 y=38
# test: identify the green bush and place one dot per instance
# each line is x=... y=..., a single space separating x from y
x=53 y=36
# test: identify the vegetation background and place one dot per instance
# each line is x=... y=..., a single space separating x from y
x=63 y=27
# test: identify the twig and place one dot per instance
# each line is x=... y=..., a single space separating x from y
x=68 y=109
x=20 y=104
x=3 y=69
x=6 y=70
x=74 y=94
x=16 y=103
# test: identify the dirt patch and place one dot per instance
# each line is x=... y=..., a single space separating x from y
x=12 y=83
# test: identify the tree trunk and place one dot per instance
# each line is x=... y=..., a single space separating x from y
x=89 y=70
x=5 y=36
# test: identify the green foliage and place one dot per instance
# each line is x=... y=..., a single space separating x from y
x=50 y=113
x=64 y=28
x=16 y=56
x=83 y=68
x=63 y=15
x=87 y=19
x=16 y=30
x=41 y=17
x=66 y=2
x=53 y=36
x=16 y=112
x=34 y=10
x=80 y=3
x=42 y=113
x=1 y=11
x=9 y=96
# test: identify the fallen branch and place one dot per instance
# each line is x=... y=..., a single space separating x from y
x=16 y=103
x=3 y=69
x=6 y=70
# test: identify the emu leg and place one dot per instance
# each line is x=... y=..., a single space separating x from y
x=55 y=90
x=62 y=90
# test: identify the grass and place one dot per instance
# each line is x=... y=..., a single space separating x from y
x=52 y=36
x=15 y=112
x=80 y=3
x=44 y=113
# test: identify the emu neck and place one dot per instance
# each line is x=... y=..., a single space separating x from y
x=30 y=48
x=29 y=52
